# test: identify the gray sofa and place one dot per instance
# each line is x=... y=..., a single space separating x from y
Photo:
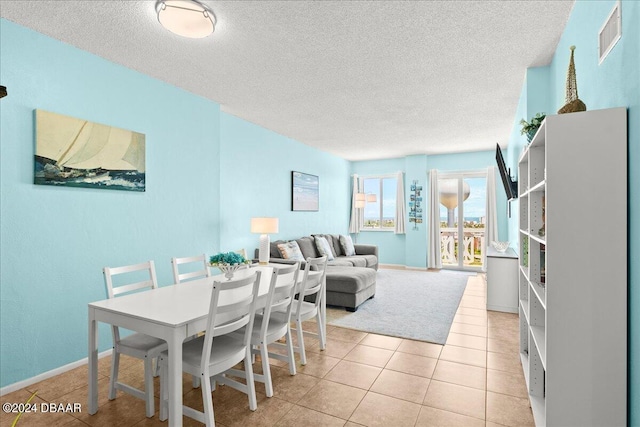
x=351 y=280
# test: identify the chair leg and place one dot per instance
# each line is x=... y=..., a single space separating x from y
x=156 y=370
x=195 y=381
x=303 y=355
x=251 y=385
x=321 y=326
x=207 y=402
x=290 y=355
x=115 y=364
x=266 y=370
x=148 y=386
x=164 y=392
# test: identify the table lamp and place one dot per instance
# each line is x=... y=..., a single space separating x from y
x=264 y=227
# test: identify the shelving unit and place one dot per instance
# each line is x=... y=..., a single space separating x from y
x=573 y=269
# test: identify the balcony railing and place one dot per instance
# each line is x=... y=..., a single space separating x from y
x=472 y=242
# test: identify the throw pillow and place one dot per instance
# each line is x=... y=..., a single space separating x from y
x=347 y=245
x=291 y=250
x=323 y=248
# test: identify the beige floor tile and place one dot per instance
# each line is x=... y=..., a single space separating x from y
x=334 y=399
x=300 y=416
x=317 y=365
x=52 y=388
x=290 y=387
x=511 y=335
x=509 y=383
x=478 y=312
x=467 y=356
x=402 y=386
x=463 y=328
x=381 y=341
x=379 y=410
x=270 y=410
x=369 y=355
x=456 y=398
x=412 y=364
x=504 y=362
x=470 y=320
x=457 y=373
x=473 y=302
x=334 y=348
x=433 y=417
x=467 y=341
x=509 y=410
x=420 y=348
x=354 y=374
x=502 y=346
x=344 y=334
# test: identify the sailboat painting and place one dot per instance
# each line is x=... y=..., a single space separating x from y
x=73 y=152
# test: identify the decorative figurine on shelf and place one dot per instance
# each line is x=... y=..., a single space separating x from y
x=573 y=104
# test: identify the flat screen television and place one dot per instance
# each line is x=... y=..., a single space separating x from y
x=510 y=186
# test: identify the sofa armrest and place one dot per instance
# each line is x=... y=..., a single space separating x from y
x=366 y=249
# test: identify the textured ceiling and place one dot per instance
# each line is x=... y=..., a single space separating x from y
x=359 y=79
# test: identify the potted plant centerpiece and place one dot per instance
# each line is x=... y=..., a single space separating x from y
x=530 y=128
x=228 y=262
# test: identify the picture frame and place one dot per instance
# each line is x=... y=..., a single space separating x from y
x=305 y=192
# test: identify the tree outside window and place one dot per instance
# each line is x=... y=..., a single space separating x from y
x=381 y=214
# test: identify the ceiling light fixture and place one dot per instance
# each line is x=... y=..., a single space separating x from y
x=187 y=18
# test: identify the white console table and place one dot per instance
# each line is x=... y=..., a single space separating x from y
x=502 y=280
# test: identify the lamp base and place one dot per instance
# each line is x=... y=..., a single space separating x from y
x=264 y=251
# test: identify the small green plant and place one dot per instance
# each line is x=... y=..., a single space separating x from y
x=530 y=128
x=228 y=258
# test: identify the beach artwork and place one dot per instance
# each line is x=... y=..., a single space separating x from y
x=72 y=152
x=305 y=192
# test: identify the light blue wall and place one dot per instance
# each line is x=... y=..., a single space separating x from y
x=410 y=249
x=256 y=181
x=614 y=83
x=55 y=241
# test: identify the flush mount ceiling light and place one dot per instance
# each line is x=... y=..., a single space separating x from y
x=187 y=18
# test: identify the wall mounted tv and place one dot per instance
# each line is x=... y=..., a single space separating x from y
x=510 y=186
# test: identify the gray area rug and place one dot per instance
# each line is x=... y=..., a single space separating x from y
x=418 y=305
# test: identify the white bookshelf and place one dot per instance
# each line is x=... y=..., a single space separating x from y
x=573 y=277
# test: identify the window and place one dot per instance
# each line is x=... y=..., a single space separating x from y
x=381 y=214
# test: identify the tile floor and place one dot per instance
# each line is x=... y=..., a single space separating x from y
x=361 y=379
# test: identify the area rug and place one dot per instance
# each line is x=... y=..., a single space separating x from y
x=418 y=305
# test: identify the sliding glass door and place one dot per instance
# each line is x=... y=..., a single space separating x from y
x=462 y=219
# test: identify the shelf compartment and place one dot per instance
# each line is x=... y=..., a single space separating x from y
x=538 y=334
x=536 y=385
x=536 y=165
x=536 y=212
x=540 y=293
x=523 y=176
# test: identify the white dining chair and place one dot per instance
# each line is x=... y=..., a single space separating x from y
x=218 y=350
x=195 y=262
x=312 y=284
x=136 y=345
x=274 y=323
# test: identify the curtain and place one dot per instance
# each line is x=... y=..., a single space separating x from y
x=356 y=214
x=435 y=256
x=491 y=227
x=400 y=215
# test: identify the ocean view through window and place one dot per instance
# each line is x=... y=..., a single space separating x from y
x=381 y=214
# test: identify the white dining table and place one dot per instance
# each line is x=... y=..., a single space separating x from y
x=171 y=313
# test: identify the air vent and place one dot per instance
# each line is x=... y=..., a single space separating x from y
x=610 y=33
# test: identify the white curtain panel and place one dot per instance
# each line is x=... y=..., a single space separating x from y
x=400 y=212
x=491 y=230
x=435 y=257
x=356 y=219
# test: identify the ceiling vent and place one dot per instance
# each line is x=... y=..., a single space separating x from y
x=610 y=33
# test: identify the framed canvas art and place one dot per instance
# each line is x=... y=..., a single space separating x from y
x=72 y=152
x=305 y=192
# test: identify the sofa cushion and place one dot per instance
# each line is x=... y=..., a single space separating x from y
x=307 y=247
x=274 y=252
x=349 y=279
x=370 y=260
x=346 y=243
x=323 y=247
x=291 y=250
x=356 y=261
x=340 y=262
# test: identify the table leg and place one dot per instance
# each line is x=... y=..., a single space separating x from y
x=93 y=363
x=175 y=379
x=323 y=309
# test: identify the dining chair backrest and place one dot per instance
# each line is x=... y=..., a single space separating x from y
x=312 y=283
x=282 y=291
x=191 y=275
x=145 y=268
x=239 y=309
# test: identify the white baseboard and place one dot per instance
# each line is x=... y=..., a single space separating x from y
x=46 y=375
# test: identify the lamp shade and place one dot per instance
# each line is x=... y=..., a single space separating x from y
x=263 y=225
x=360 y=197
x=371 y=198
x=187 y=18
x=360 y=203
